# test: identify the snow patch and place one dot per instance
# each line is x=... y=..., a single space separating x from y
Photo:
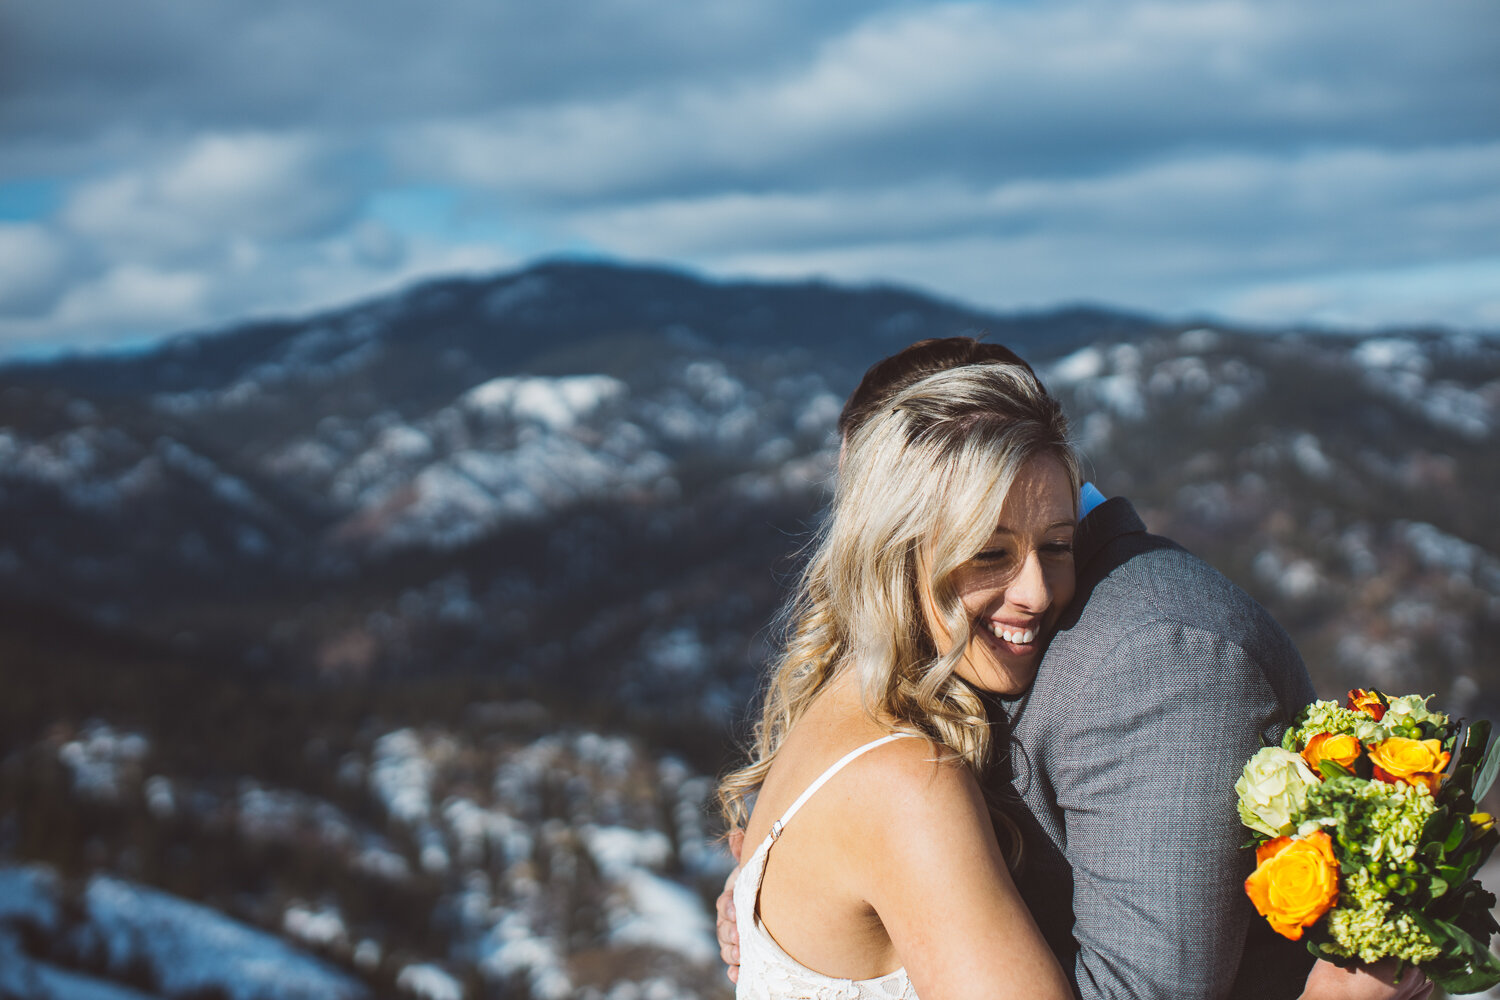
x=1080 y=366
x=192 y=948
x=322 y=926
x=511 y=949
x=557 y=403
x=1308 y=455
x=619 y=851
x=655 y=912
x=1387 y=353
x=429 y=983
x=1296 y=579
x=28 y=895
x=401 y=776
x=101 y=757
x=1438 y=550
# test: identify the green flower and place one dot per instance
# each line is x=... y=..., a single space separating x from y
x=1372 y=821
x=1414 y=707
x=1330 y=717
x=1273 y=791
x=1366 y=925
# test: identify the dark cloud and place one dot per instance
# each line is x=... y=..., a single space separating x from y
x=158 y=64
x=210 y=159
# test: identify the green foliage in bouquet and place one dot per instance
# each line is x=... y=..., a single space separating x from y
x=1369 y=837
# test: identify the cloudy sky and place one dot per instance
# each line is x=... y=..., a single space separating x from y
x=168 y=165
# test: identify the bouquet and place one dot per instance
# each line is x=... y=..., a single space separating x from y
x=1368 y=835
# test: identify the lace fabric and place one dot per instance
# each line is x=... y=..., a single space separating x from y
x=766 y=971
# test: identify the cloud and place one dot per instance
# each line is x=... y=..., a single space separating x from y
x=132 y=295
x=1465 y=293
x=224 y=227
x=209 y=161
x=31 y=269
x=216 y=188
x=286 y=64
x=980 y=92
x=130 y=303
x=1194 y=219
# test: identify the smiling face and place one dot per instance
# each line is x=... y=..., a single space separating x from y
x=1015 y=588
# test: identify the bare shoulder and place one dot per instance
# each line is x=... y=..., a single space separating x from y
x=919 y=766
x=936 y=880
x=919 y=788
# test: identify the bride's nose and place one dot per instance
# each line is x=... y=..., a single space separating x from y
x=1030 y=588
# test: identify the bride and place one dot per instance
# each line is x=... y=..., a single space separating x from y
x=881 y=870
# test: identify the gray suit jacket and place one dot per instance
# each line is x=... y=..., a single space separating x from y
x=1161 y=681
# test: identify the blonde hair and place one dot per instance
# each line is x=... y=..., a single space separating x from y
x=920 y=490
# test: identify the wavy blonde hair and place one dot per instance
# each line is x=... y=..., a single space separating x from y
x=920 y=489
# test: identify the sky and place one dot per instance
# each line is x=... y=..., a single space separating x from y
x=167 y=166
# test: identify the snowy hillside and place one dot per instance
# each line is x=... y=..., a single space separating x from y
x=403 y=642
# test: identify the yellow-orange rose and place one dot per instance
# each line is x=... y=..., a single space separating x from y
x=1400 y=761
x=1340 y=748
x=1367 y=702
x=1295 y=882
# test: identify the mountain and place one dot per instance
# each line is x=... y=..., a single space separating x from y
x=412 y=632
x=576 y=469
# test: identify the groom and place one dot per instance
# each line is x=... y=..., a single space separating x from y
x=1161 y=681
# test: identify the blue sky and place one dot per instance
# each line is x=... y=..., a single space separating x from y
x=169 y=166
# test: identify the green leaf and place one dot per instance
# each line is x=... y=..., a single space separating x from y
x=1475 y=973
x=1467 y=861
x=1436 y=827
x=1468 y=965
x=1489 y=766
x=1476 y=735
x=1333 y=769
x=1486 y=843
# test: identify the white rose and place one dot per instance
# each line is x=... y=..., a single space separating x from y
x=1273 y=791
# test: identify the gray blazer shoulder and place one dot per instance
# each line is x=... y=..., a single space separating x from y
x=1129 y=579
x=1161 y=681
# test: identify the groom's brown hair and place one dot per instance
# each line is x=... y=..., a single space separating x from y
x=889 y=376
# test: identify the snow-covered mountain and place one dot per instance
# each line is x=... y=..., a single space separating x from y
x=600 y=471
x=576 y=465
x=483 y=860
x=410 y=633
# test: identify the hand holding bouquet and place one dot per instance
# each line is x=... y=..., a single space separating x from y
x=1368 y=837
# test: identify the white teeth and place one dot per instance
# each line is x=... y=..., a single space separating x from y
x=1020 y=637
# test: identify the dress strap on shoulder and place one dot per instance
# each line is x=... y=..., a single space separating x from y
x=838 y=766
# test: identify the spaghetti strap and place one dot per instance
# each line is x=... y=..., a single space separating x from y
x=843 y=761
x=767 y=972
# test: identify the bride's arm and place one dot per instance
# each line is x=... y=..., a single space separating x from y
x=934 y=874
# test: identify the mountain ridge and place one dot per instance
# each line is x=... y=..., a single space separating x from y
x=640 y=296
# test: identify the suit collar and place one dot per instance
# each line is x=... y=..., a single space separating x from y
x=1105 y=523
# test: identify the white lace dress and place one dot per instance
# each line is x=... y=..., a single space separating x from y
x=767 y=972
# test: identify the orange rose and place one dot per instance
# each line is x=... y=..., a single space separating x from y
x=1295 y=882
x=1400 y=761
x=1368 y=702
x=1337 y=747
